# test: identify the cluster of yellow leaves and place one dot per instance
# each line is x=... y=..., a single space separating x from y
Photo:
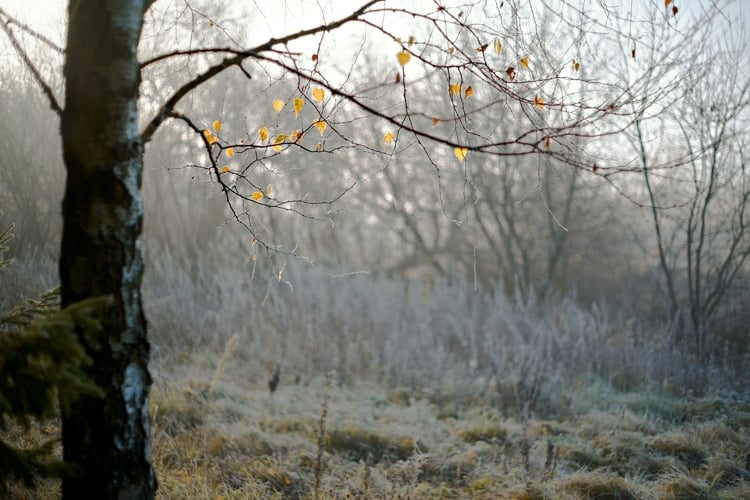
x=455 y=89
x=259 y=195
x=298 y=103
x=278 y=141
x=319 y=94
x=210 y=137
x=460 y=153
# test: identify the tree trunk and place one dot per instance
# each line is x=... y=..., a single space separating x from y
x=107 y=439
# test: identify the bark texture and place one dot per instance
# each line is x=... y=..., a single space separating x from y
x=108 y=439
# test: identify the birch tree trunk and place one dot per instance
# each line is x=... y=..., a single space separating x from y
x=108 y=439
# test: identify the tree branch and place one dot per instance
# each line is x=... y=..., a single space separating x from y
x=46 y=89
x=32 y=32
x=168 y=106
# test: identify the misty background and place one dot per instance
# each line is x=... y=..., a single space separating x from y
x=513 y=279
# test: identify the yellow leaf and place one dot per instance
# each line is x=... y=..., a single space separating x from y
x=263 y=133
x=217 y=125
x=211 y=138
x=460 y=153
x=451 y=50
x=454 y=89
x=525 y=62
x=498 y=45
x=411 y=41
x=546 y=142
x=539 y=102
x=667 y=2
x=321 y=125
x=257 y=195
x=268 y=191
x=388 y=138
x=278 y=105
x=319 y=147
x=229 y=152
x=403 y=57
x=296 y=136
x=435 y=121
x=319 y=94
x=468 y=92
x=224 y=169
x=298 y=103
x=277 y=142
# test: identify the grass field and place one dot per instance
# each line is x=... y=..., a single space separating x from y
x=220 y=433
x=231 y=438
x=393 y=391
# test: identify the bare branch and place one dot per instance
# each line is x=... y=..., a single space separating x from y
x=28 y=29
x=29 y=63
x=191 y=52
x=237 y=60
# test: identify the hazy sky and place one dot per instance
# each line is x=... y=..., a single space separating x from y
x=280 y=17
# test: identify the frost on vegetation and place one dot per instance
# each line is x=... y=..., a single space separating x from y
x=441 y=339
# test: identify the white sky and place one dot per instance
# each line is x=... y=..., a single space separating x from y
x=285 y=16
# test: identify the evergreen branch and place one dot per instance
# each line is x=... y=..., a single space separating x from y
x=22 y=315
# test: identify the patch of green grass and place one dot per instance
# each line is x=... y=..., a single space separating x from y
x=600 y=487
x=491 y=432
x=366 y=444
x=682 y=448
x=582 y=457
x=679 y=486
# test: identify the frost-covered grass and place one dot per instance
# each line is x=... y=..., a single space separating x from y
x=434 y=391
x=231 y=438
x=237 y=440
x=442 y=339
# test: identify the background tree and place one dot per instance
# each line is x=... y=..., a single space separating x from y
x=695 y=184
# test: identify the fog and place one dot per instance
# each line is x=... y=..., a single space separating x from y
x=527 y=232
